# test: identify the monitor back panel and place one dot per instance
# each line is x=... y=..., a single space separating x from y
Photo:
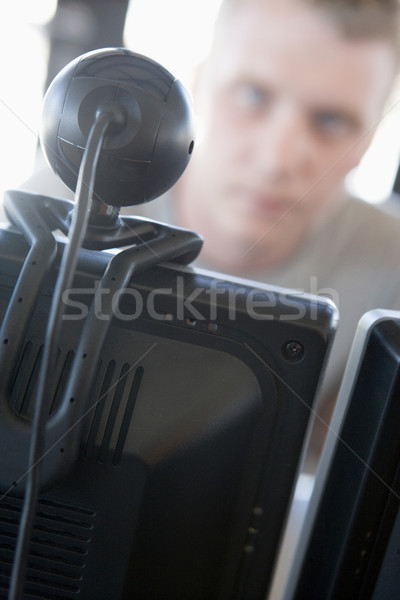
x=190 y=436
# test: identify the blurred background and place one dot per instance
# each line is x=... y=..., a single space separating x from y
x=38 y=38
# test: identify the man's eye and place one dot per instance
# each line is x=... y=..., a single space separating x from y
x=331 y=122
x=250 y=96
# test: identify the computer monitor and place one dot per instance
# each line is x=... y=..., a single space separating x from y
x=349 y=546
x=191 y=436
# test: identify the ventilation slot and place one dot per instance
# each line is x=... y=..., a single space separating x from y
x=119 y=388
x=59 y=545
x=26 y=379
x=113 y=413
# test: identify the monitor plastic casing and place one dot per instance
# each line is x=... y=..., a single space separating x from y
x=191 y=437
x=349 y=545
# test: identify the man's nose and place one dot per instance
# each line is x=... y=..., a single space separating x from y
x=283 y=143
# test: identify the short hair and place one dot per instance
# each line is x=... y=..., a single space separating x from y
x=354 y=19
x=365 y=19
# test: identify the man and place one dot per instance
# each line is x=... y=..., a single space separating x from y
x=289 y=105
x=289 y=98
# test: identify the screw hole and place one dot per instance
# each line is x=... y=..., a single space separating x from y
x=293 y=351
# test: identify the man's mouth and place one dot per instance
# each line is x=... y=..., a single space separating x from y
x=263 y=204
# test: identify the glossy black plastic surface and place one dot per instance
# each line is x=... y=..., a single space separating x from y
x=189 y=437
x=353 y=550
x=153 y=137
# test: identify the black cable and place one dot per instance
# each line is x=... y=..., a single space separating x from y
x=80 y=218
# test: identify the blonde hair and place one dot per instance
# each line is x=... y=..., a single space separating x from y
x=354 y=19
x=365 y=19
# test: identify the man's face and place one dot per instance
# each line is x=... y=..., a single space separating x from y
x=289 y=108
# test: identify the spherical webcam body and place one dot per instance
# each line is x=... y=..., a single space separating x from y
x=145 y=153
